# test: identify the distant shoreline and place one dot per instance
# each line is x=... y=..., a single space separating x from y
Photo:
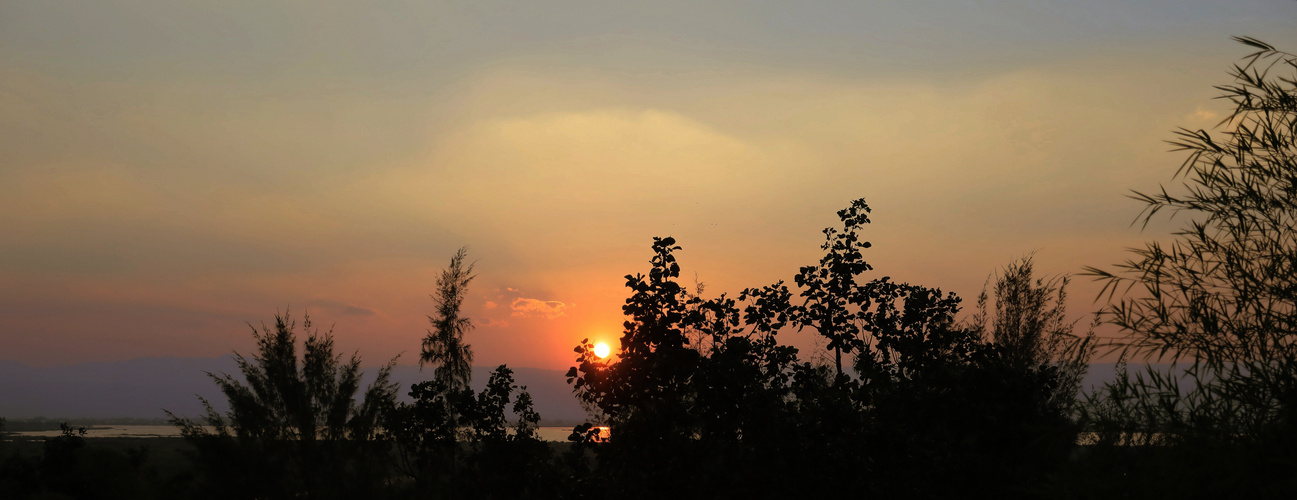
x=557 y=434
x=39 y=424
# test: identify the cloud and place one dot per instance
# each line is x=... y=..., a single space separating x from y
x=534 y=308
x=1202 y=114
x=341 y=308
x=492 y=322
x=351 y=310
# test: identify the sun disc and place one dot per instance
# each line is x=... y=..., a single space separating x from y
x=601 y=349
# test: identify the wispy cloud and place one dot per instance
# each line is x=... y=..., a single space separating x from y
x=351 y=310
x=534 y=308
x=1202 y=115
x=341 y=308
x=492 y=322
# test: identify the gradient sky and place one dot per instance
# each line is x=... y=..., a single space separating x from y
x=172 y=170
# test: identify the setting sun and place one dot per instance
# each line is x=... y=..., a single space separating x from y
x=601 y=349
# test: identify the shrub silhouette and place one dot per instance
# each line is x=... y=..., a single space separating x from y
x=294 y=428
x=1027 y=317
x=458 y=444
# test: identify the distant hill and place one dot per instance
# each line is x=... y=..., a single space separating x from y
x=142 y=388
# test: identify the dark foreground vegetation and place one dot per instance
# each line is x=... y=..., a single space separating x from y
x=910 y=402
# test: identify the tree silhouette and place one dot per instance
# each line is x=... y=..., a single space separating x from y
x=444 y=346
x=703 y=401
x=654 y=361
x=829 y=288
x=1219 y=301
x=688 y=393
x=456 y=444
x=1027 y=317
x=294 y=427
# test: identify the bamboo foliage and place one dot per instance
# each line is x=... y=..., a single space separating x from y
x=1219 y=300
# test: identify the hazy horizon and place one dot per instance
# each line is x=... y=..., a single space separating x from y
x=143 y=387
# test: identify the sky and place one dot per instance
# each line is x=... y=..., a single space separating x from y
x=171 y=172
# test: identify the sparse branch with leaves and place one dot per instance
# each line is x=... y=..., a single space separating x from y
x=831 y=300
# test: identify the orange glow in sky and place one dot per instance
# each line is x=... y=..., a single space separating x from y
x=158 y=191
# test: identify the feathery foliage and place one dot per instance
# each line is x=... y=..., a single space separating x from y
x=1029 y=322
x=444 y=346
x=294 y=426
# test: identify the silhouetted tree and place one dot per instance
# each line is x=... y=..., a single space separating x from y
x=444 y=345
x=1219 y=302
x=508 y=460
x=1029 y=322
x=645 y=393
x=654 y=360
x=1220 y=299
x=935 y=395
x=695 y=401
x=942 y=401
x=829 y=289
x=704 y=402
x=294 y=428
x=456 y=444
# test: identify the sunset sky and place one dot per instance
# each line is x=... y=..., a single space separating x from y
x=172 y=170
